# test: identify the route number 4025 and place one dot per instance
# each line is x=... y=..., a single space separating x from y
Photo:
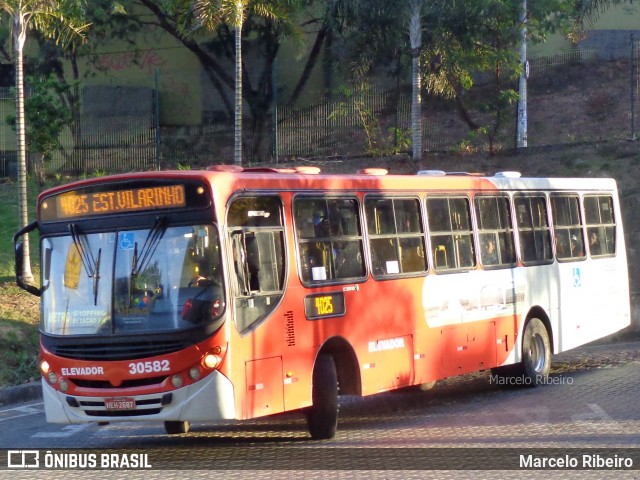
x=137 y=368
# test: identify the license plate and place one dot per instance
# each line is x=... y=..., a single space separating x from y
x=124 y=403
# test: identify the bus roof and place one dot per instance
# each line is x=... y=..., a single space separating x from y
x=311 y=178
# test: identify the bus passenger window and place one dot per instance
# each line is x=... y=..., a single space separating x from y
x=450 y=233
x=332 y=248
x=495 y=231
x=533 y=229
x=567 y=224
x=396 y=236
x=601 y=226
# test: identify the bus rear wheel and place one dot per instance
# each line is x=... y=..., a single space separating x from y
x=176 y=428
x=536 y=353
x=322 y=416
x=534 y=368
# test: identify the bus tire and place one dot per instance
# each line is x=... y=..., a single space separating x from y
x=176 y=427
x=536 y=353
x=322 y=416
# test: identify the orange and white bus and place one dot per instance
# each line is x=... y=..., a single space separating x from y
x=231 y=293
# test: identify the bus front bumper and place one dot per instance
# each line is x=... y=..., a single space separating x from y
x=210 y=399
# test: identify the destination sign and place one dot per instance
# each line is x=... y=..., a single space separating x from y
x=100 y=203
x=98 y=200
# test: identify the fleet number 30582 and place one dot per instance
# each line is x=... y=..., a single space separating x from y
x=136 y=368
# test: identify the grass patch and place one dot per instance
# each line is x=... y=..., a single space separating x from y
x=10 y=223
x=19 y=318
x=19 y=311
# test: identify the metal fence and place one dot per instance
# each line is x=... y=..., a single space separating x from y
x=582 y=95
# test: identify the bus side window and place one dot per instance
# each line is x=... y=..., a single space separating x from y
x=601 y=226
x=533 y=229
x=450 y=233
x=396 y=236
x=257 y=242
x=332 y=249
x=495 y=231
x=567 y=224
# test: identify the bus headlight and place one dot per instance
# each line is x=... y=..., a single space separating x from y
x=44 y=367
x=64 y=385
x=194 y=373
x=211 y=361
x=52 y=377
x=176 y=381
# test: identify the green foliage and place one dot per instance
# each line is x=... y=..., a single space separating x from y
x=461 y=41
x=401 y=138
x=356 y=107
x=46 y=117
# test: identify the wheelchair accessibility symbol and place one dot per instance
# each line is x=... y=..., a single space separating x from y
x=127 y=241
x=577 y=281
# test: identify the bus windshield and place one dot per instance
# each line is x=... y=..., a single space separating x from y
x=152 y=280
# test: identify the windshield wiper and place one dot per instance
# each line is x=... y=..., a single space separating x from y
x=149 y=246
x=86 y=257
x=96 y=277
x=89 y=262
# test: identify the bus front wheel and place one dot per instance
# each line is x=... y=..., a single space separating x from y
x=322 y=416
x=536 y=353
x=176 y=428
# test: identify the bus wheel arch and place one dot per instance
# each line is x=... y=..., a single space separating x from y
x=539 y=313
x=536 y=347
x=346 y=361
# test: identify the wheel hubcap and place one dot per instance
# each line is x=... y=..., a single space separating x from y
x=537 y=353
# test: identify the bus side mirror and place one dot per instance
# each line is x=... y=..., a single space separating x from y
x=19 y=260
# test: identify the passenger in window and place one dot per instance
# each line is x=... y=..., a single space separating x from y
x=490 y=253
x=594 y=244
x=577 y=249
x=562 y=248
x=321 y=223
x=348 y=259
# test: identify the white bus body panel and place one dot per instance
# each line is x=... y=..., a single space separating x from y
x=582 y=300
x=208 y=400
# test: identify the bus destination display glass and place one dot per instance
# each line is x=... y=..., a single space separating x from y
x=94 y=201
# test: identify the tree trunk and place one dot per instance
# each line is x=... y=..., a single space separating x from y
x=19 y=37
x=237 y=132
x=415 y=36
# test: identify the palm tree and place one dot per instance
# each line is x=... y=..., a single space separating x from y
x=415 y=38
x=212 y=13
x=55 y=19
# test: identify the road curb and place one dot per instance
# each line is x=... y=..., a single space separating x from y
x=20 y=393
